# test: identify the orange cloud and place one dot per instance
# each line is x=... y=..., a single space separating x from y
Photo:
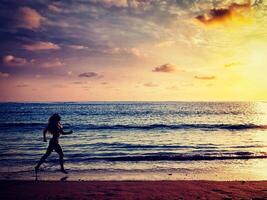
x=13 y=61
x=205 y=77
x=234 y=12
x=39 y=46
x=167 y=68
x=28 y=18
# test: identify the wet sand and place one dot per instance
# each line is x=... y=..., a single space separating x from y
x=122 y=190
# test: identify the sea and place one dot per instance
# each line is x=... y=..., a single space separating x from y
x=137 y=140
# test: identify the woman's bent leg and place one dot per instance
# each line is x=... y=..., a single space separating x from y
x=44 y=157
x=58 y=149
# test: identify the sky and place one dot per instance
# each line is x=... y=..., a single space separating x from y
x=133 y=50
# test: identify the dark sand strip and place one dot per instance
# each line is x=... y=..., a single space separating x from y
x=122 y=190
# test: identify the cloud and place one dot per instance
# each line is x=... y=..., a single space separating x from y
x=4 y=75
x=52 y=64
x=92 y=26
x=120 y=3
x=168 y=43
x=69 y=73
x=39 y=46
x=117 y=3
x=150 y=84
x=166 y=68
x=173 y=88
x=13 y=61
x=128 y=51
x=58 y=85
x=89 y=75
x=139 y=3
x=28 y=18
x=22 y=85
x=233 y=12
x=232 y=64
x=54 y=8
x=136 y=52
x=205 y=77
x=79 y=82
x=77 y=47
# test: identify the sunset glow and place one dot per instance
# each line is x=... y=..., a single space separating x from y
x=115 y=50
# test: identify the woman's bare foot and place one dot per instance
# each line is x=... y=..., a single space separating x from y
x=64 y=171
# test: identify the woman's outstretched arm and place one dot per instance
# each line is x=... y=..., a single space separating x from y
x=62 y=131
x=66 y=133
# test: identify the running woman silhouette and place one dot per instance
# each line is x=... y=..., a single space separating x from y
x=56 y=129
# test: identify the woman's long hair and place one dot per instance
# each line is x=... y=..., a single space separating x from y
x=53 y=123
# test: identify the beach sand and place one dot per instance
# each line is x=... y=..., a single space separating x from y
x=122 y=190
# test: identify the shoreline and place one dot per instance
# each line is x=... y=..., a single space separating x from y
x=250 y=170
x=180 y=189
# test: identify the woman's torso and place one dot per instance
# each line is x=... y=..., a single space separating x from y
x=55 y=131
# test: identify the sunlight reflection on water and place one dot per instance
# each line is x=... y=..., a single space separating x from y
x=146 y=132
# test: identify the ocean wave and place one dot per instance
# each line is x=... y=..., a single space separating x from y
x=81 y=158
x=118 y=145
x=234 y=156
x=178 y=126
x=22 y=126
x=142 y=127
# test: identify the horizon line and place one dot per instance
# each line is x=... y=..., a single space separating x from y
x=145 y=101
